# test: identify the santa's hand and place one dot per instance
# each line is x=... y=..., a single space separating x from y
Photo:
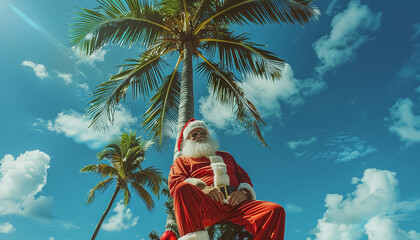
x=213 y=193
x=237 y=197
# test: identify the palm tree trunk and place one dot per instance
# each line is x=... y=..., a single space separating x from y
x=186 y=103
x=117 y=189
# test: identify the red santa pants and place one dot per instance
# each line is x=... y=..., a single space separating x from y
x=194 y=211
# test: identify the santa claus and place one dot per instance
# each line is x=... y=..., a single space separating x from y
x=209 y=187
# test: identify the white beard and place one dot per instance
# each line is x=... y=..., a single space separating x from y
x=197 y=149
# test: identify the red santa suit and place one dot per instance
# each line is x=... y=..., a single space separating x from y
x=195 y=211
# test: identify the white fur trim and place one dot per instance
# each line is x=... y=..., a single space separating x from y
x=248 y=187
x=200 y=235
x=216 y=159
x=220 y=174
x=193 y=125
x=195 y=181
x=219 y=171
x=219 y=168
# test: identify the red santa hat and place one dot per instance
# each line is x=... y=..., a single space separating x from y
x=188 y=128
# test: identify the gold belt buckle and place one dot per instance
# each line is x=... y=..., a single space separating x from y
x=226 y=191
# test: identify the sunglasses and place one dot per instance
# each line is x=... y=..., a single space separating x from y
x=201 y=133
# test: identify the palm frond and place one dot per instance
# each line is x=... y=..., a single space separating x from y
x=126 y=24
x=262 y=12
x=145 y=145
x=203 y=9
x=143 y=74
x=164 y=104
x=144 y=195
x=244 y=56
x=110 y=152
x=225 y=89
x=177 y=8
x=149 y=177
x=127 y=195
x=102 y=169
x=128 y=141
x=171 y=7
x=101 y=187
x=153 y=235
x=133 y=159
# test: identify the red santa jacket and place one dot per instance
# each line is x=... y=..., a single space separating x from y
x=221 y=169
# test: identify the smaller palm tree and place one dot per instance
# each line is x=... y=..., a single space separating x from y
x=125 y=169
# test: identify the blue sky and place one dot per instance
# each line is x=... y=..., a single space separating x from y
x=343 y=126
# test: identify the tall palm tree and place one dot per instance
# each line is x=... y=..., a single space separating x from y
x=187 y=30
x=125 y=169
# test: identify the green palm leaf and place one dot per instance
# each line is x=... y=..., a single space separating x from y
x=101 y=187
x=111 y=151
x=171 y=7
x=133 y=159
x=224 y=87
x=144 y=195
x=244 y=56
x=203 y=10
x=127 y=24
x=164 y=105
x=102 y=169
x=127 y=142
x=142 y=74
x=127 y=195
x=149 y=177
x=262 y=12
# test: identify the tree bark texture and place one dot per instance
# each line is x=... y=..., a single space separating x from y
x=186 y=102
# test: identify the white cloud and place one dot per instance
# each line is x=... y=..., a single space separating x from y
x=265 y=94
x=68 y=225
x=39 y=69
x=51 y=238
x=296 y=146
x=345 y=147
x=83 y=86
x=383 y=228
x=216 y=114
x=332 y=7
x=97 y=56
x=349 y=31
x=21 y=179
x=369 y=210
x=76 y=126
x=268 y=94
x=6 y=227
x=404 y=122
x=355 y=151
x=293 y=145
x=290 y=208
x=122 y=220
x=66 y=77
x=410 y=68
x=169 y=130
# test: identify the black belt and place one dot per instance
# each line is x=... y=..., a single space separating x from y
x=226 y=190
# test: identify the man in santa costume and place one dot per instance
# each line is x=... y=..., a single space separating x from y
x=209 y=187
